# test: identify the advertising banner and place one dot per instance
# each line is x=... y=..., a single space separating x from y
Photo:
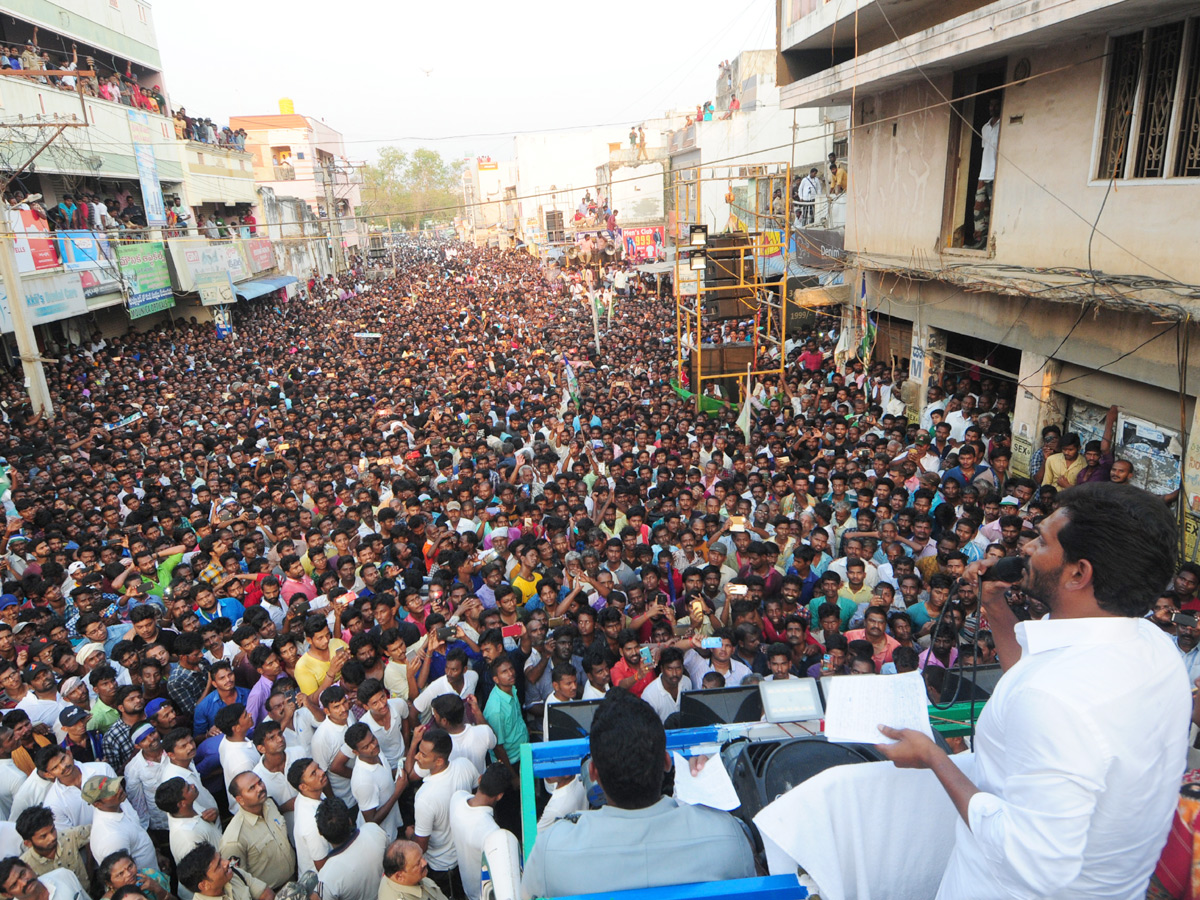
x=644 y=243
x=32 y=243
x=48 y=298
x=83 y=249
x=147 y=281
x=261 y=253
x=97 y=282
x=147 y=166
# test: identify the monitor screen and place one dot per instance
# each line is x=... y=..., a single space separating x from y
x=570 y=721
x=720 y=706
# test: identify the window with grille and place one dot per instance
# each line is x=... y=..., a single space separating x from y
x=1151 y=117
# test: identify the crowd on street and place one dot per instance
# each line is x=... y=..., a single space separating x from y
x=282 y=610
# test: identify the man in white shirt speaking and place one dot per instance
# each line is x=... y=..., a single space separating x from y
x=1075 y=774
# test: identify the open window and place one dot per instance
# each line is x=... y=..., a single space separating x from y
x=971 y=168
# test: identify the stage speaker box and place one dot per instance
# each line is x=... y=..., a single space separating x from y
x=970 y=683
x=724 y=359
x=554 y=225
x=764 y=770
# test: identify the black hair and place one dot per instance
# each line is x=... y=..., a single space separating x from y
x=368 y=689
x=295 y=772
x=193 y=868
x=169 y=795
x=264 y=729
x=495 y=781
x=228 y=717
x=32 y=820
x=334 y=822
x=355 y=734
x=440 y=741
x=450 y=707
x=628 y=745
x=1100 y=518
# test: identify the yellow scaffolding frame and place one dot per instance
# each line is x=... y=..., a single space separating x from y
x=766 y=234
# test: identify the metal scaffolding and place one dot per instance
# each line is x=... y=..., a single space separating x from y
x=730 y=269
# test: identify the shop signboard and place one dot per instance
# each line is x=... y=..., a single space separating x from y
x=83 y=249
x=193 y=260
x=215 y=289
x=147 y=282
x=48 y=298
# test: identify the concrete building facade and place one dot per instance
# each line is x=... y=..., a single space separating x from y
x=1069 y=275
x=295 y=154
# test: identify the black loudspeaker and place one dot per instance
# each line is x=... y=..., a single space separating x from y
x=569 y=721
x=554 y=225
x=720 y=706
x=764 y=770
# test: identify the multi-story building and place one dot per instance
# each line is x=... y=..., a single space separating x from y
x=486 y=183
x=123 y=149
x=734 y=138
x=300 y=156
x=1022 y=185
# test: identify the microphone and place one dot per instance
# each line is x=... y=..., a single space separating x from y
x=1008 y=570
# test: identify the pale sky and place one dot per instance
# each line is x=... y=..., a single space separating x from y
x=495 y=67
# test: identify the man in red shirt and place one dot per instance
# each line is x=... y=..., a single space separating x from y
x=812 y=357
x=875 y=630
x=631 y=671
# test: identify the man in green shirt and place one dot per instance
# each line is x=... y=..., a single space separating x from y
x=503 y=713
x=155 y=575
x=104 y=682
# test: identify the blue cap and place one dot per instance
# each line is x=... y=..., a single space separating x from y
x=7 y=600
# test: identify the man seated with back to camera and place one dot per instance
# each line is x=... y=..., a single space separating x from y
x=641 y=838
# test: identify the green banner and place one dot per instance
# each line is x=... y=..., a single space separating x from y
x=144 y=273
x=710 y=405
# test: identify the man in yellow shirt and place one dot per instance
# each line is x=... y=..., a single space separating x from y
x=837 y=177
x=527 y=580
x=1063 y=467
x=321 y=666
x=855 y=588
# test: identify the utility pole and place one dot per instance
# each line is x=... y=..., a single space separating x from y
x=31 y=357
x=591 y=302
x=334 y=223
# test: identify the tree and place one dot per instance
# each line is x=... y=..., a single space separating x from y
x=409 y=188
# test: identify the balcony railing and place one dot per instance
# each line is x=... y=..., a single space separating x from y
x=284 y=173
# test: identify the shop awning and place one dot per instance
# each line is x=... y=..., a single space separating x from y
x=812 y=298
x=248 y=290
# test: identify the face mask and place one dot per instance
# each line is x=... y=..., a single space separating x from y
x=420 y=771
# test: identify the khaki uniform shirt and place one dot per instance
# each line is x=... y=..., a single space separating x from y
x=72 y=842
x=262 y=844
x=426 y=890
x=242 y=886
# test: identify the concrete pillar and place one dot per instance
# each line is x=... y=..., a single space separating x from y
x=1037 y=405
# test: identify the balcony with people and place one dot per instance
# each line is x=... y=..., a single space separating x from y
x=26 y=48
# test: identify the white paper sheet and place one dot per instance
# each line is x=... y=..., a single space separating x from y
x=856 y=705
x=711 y=788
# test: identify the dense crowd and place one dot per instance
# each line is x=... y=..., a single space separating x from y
x=293 y=602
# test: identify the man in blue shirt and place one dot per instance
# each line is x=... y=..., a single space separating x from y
x=223 y=692
x=968 y=471
x=608 y=846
